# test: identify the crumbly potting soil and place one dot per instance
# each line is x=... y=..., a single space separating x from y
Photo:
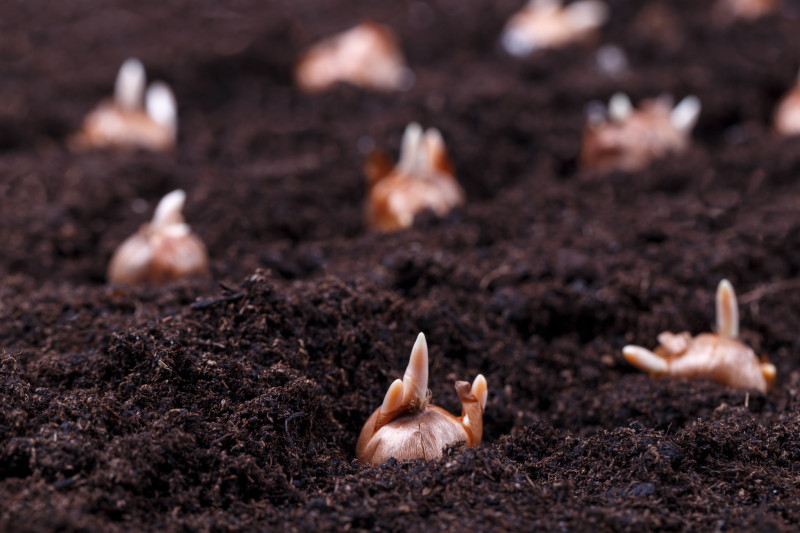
x=235 y=403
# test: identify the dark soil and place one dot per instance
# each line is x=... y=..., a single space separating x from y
x=235 y=403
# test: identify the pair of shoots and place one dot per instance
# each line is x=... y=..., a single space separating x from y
x=406 y=426
x=163 y=250
x=367 y=55
x=422 y=179
x=546 y=24
x=133 y=118
x=718 y=356
x=628 y=139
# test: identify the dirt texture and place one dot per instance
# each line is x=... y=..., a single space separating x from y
x=235 y=403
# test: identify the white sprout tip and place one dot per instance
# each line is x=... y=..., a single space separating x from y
x=480 y=389
x=415 y=380
x=410 y=145
x=129 y=87
x=620 y=107
x=727 y=310
x=684 y=115
x=644 y=359
x=394 y=397
x=169 y=210
x=161 y=106
x=586 y=14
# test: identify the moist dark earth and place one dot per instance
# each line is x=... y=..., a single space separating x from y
x=234 y=403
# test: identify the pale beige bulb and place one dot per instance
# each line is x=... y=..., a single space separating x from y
x=367 y=55
x=544 y=24
x=407 y=427
x=133 y=118
x=629 y=139
x=163 y=250
x=718 y=356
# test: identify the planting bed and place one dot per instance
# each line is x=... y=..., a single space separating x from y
x=235 y=403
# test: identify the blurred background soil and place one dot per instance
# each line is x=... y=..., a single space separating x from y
x=235 y=403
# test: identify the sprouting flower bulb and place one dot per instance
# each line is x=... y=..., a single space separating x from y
x=625 y=138
x=718 y=356
x=422 y=179
x=406 y=426
x=367 y=55
x=133 y=118
x=163 y=250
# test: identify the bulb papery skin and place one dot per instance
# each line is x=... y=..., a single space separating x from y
x=158 y=257
x=111 y=127
x=367 y=55
x=415 y=435
x=423 y=179
x=723 y=360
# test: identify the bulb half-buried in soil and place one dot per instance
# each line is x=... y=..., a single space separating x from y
x=422 y=179
x=546 y=24
x=717 y=356
x=163 y=250
x=629 y=139
x=406 y=426
x=132 y=119
x=367 y=55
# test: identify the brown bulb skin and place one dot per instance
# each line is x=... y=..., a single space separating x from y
x=396 y=199
x=422 y=180
x=708 y=355
x=632 y=145
x=419 y=433
x=110 y=126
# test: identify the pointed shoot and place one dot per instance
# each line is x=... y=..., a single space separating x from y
x=684 y=116
x=434 y=143
x=129 y=87
x=410 y=148
x=644 y=359
x=162 y=108
x=394 y=397
x=620 y=107
x=480 y=390
x=727 y=310
x=415 y=380
x=433 y=156
x=169 y=210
